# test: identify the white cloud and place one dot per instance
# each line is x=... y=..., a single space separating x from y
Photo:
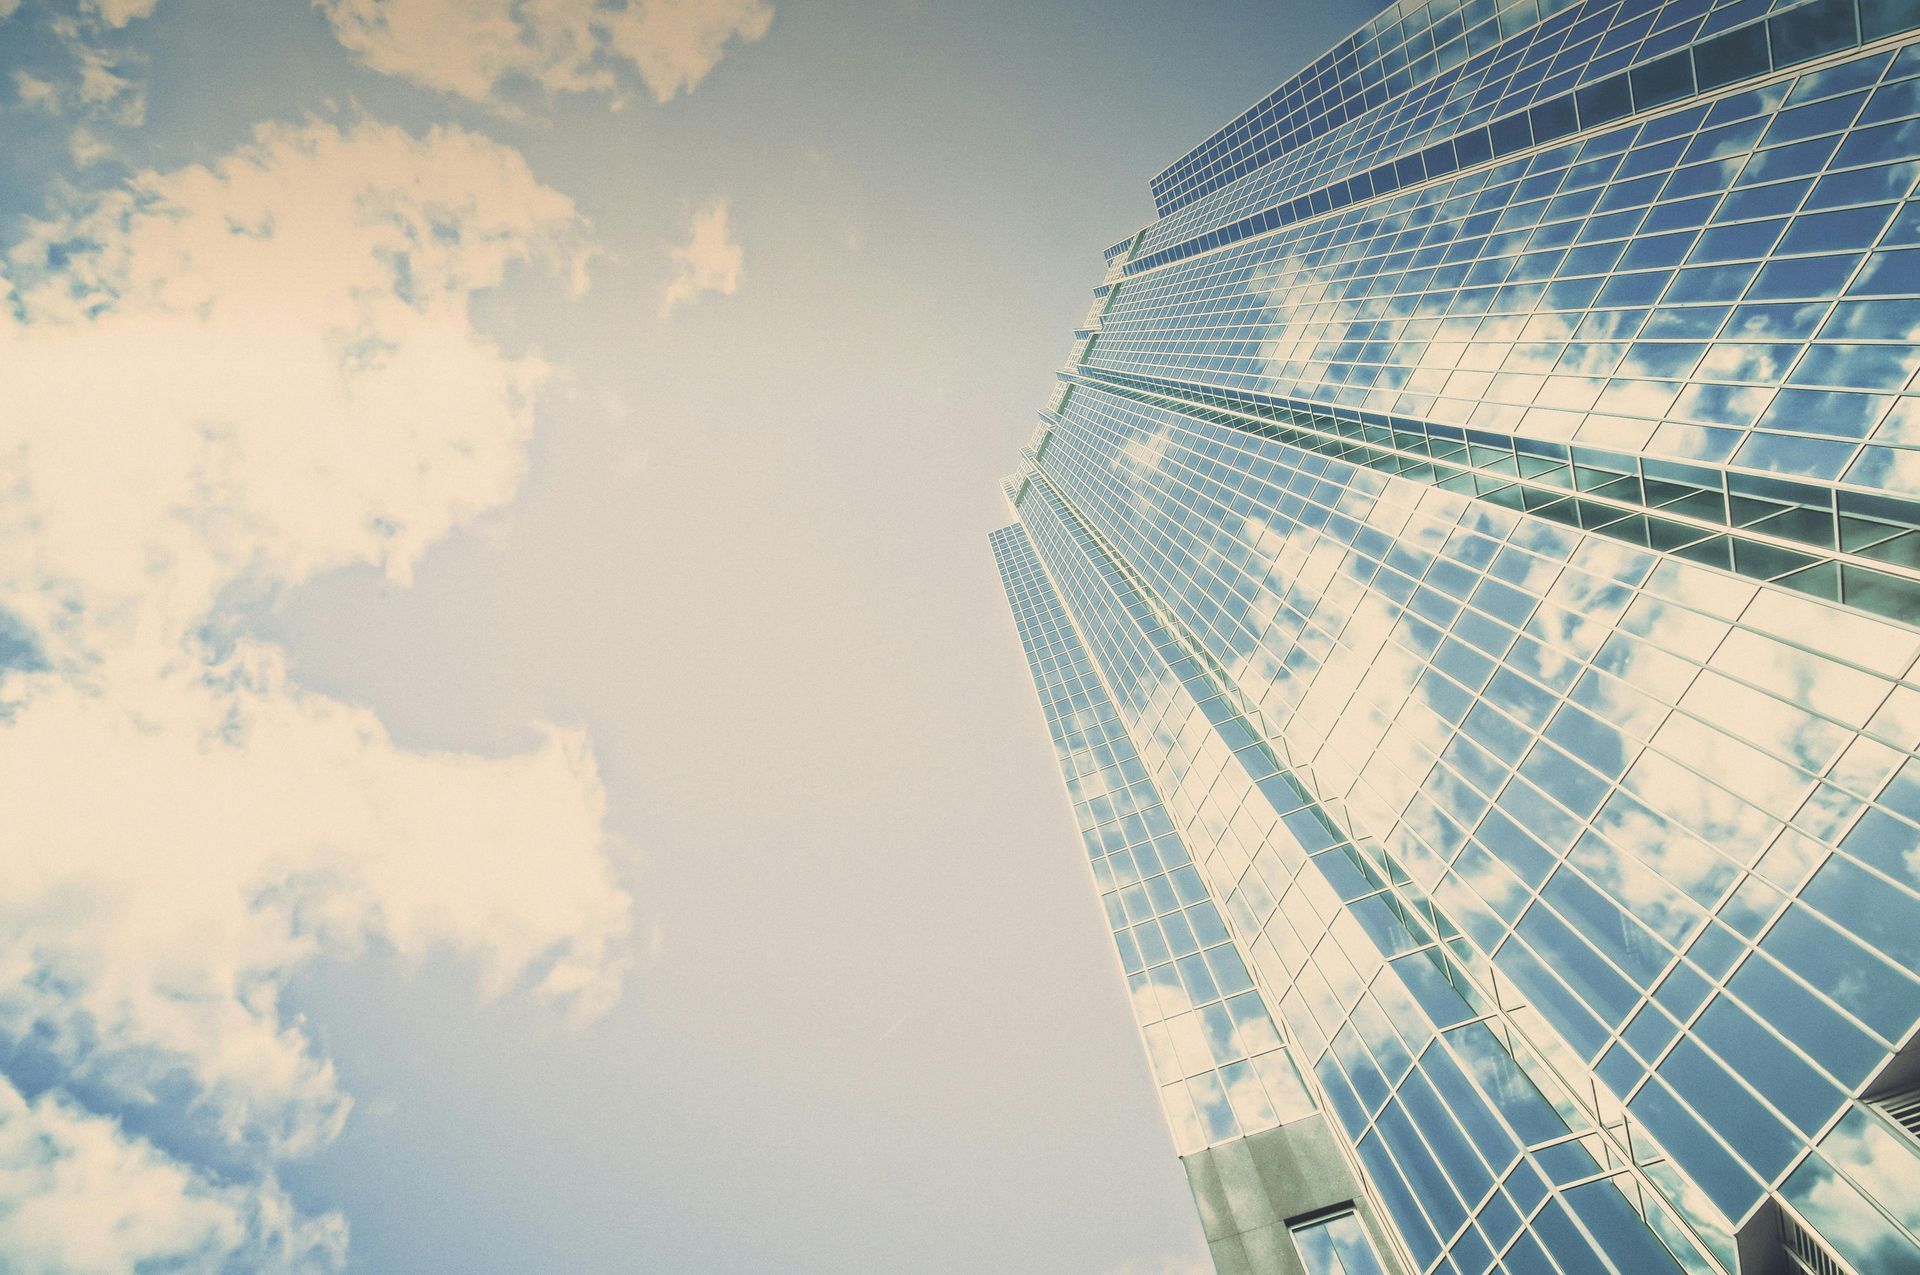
x=86 y=83
x=102 y=90
x=83 y=1198
x=118 y=13
x=674 y=43
x=224 y=379
x=86 y=147
x=295 y=384
x=472 y=47
x=34 y=92
x=710 y=260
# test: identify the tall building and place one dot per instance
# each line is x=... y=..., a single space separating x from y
x=1471 y=570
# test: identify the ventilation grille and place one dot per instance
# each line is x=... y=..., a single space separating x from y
x=1808 y=1253
x=1904 y=1110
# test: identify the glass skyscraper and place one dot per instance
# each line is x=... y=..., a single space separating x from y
x=1471 y=572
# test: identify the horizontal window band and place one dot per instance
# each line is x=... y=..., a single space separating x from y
x=1856 y=548
x=1728 y=58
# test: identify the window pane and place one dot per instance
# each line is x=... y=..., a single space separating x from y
x=1336 y=1246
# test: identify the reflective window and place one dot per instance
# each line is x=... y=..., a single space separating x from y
x=1336 y=1245
x=1471 y=567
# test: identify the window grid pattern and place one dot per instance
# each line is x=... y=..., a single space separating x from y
x=1336 y=1246
x=1457 y=1140
x=1763 y=527
x=1858 y=1183
x=1792 y=39
x=1471 y=62
x=1508 y=585
x=1523 y=781
x=1343 y=83
x=1216 y=1053
x=1575 y=64
x=1729 y=284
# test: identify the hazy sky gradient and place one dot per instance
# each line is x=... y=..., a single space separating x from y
x=873 y=1021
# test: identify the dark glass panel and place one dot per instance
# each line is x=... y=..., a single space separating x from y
x=1734 y=56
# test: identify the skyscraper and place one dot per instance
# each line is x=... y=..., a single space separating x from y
x=1471 y=570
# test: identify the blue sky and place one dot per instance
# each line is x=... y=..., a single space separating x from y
x=523 y=764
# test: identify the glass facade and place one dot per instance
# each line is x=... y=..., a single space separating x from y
x=1471 y=571
x=1335 y=1246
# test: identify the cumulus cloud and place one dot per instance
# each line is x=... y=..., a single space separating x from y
x=82 y=1198
x=224 y=379
x=473 y=47
x=710 y=260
